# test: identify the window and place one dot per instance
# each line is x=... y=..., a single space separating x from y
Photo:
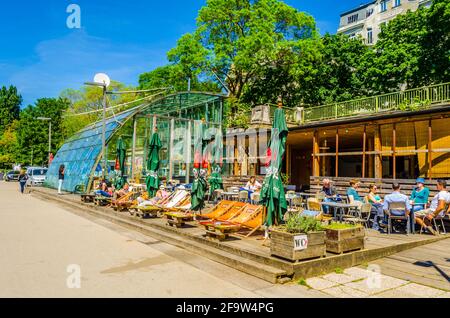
x=397 y=3
x=383 y=6
x=369 y=36
x=352 y=18
x=369 y=12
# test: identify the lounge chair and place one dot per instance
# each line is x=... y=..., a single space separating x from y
x=220 y=209
x=249 y=217
x=124 y=202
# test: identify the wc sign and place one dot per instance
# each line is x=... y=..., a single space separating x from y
x=300 y=242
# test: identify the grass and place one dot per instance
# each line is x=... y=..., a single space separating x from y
x=339 y=270
x=303 y=282
x=340 y=226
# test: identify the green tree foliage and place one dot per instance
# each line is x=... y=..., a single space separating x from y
x=8 y=146
x=88 y=99
x=10 y=101
x=247 y=38
x=435 y=57
x=394 y=61
x=32 y=134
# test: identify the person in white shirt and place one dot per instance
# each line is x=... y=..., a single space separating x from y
x=253 y=184
x=437 y=207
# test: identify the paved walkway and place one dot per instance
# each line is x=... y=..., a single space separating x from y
x=44 y=246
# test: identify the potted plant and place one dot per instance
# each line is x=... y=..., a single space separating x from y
x=344 y=237
x=299 y=239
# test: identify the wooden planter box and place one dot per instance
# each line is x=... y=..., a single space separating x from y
x=283 y=244
x=345 y=240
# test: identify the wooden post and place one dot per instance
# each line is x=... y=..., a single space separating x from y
x=337 y=153
x=316 y=167
x=394 y=145
x=430 y=150
x=378 y=156
x=370 y=161
x=364 y=154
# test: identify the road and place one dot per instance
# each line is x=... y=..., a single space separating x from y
x=48 y=251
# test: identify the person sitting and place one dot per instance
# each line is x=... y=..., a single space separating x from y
x=396 y=197
x=419 y=196
x=437 y=207
x=104 y=190
x=377 y=205
x=352 y=191
x=253 y=185
x=330 y=194
x=123 y=191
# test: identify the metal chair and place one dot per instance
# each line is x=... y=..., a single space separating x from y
x=398 y=206
x=363 y=215
x=441 y=219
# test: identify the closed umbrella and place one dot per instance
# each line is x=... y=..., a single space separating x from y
x=199 y=185
x=121 y=157
x=152 y=180
x=272 y=193
x=215 y=179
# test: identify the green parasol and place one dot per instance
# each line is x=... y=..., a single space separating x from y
x=121 y=157
x=215 y=179
x=199 y=185
x=272 y=193
x=152 y=180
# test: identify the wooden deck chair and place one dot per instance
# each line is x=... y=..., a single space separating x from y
x=124 y=202
x=221 y=208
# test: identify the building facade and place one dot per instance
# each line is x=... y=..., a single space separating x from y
x=367 y=19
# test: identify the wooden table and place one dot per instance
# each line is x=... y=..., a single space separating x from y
x=341 y=207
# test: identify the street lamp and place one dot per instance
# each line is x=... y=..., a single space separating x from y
x=49 y=135
x=102 y=80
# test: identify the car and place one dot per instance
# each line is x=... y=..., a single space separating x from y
x=12 y=176
x=36 y=175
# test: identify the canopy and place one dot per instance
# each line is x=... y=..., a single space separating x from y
x=272 y=193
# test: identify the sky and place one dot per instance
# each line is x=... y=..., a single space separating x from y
x=42 y=56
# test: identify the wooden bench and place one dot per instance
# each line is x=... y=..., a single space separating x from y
x=87 y=198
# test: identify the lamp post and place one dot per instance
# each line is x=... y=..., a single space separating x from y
x=103 y=81
x=49 y=135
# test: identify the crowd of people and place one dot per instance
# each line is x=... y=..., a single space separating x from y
x=417 y=204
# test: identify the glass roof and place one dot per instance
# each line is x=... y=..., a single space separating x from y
x=82 y=152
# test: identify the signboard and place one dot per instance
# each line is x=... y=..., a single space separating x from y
x=300 y=242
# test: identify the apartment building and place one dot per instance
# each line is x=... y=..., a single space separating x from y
x=367 y=19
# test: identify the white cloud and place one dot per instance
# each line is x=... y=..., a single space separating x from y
x=70 y=61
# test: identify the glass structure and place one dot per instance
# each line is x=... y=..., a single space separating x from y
x=175 y=117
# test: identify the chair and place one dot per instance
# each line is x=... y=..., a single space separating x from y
x=398 y=206
x=219 y=210
x=255 y=198
x=363 y=215
x=313 y=204
x=243 y=196
x=320 y=196
x=441 y=219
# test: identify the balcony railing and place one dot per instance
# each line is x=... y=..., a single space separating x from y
x=408 y=100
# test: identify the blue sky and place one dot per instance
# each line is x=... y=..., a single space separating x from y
x=41 y=56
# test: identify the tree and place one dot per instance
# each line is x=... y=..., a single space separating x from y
x=395 y=62
x=10 y=102
x=8 y=146
x=88 y=100
x=245 y=38
x=32 y=134
x=435 y=58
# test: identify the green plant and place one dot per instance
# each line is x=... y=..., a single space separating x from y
x=340 y=226
x=338 y=270
x=303 y=282
x=300 y=224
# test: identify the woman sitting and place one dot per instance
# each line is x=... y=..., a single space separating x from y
x=377 y=205
x=253 y=185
